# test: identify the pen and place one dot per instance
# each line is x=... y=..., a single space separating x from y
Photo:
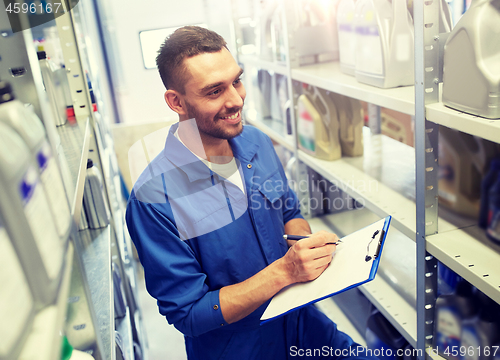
x=299 y=237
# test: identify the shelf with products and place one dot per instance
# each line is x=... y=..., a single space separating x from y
x=382 y=180
x=271 y=127
x=44 y=341
x=471 y=255
x=75 y=141
x=382 y=294
x=255 y=61
x=488 y=129
x=328 y=76
x=94 y=247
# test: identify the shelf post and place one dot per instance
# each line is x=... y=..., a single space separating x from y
x=426 y=20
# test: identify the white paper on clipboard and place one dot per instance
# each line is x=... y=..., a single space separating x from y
x=348 y=269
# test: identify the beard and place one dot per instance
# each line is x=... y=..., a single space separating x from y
x=214 y=127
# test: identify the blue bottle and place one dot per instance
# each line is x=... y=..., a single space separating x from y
x=451 y=311
x=479 y=334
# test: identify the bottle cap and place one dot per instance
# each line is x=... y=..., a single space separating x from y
x=6 y=93
x=41 y=55
x=66 y=349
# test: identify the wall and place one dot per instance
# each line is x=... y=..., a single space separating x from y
x=140 y=91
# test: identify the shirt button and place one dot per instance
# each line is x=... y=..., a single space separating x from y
x=221 y=324
x=216 y=307
x=249 y=166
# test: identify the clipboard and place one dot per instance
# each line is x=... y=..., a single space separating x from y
x=354 y=263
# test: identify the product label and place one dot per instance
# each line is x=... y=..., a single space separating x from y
x=470 y=341
x=54 y=188
x=305 y=127
x=347 y=44
x=448 y=332
x=41 y=223
x=15 y=297
x=403 y=47
x=369 y=55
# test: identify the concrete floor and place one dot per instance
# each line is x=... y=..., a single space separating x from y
x=164 y=340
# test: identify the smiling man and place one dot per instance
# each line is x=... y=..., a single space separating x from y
x=208 y=214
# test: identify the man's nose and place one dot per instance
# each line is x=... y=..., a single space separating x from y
x=235 y=97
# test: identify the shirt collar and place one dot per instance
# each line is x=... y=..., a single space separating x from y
x=244 y=149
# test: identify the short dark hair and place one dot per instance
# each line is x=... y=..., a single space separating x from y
x=183 y=43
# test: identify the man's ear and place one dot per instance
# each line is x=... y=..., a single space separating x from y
x=174 y=101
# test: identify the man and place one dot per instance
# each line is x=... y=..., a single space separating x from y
x=208 y=215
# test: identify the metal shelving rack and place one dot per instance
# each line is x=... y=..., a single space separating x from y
x=84 y=308
x=412 y=204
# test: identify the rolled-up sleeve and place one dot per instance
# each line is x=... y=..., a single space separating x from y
x=172 y=272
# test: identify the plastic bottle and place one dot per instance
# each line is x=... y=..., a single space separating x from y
x=69 y=353
x=350 y=115
x=93 y=198
x=493 y=224
x=53 y=88
x=30 y=128
x=489 y=179
x=462 y=163
x=471 y=57
x=28 y=221
x=384 y=43
x=16 y=302
x=451 y=311
x=315 y=37
x=480 y=333
x=380 y=334
x=347 y=36
x=318 y=125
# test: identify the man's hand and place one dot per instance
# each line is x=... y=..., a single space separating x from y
x=309 y=257
x=304 y=261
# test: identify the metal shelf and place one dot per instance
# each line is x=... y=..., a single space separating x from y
x=330 y=309
x=388 y=301
x=95 y=250
x=44 y=341
x=272 y=128
x=328 y=76
x=75 y=140
x=485 y=128
x=467 y=252
x=401 y=315
x=252 y=60
x=383 y=179
x=124 y=327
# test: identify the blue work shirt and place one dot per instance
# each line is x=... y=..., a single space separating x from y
x=196 y=232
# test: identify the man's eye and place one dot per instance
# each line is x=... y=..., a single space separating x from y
x=215 y=92
x=237 y=81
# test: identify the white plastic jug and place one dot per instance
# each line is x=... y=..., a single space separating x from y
x=25 y=210
x=347 y=36
x=16 y=301
x=31 y=130
x=471 y=71
x=315 y=36
x=384 y=43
